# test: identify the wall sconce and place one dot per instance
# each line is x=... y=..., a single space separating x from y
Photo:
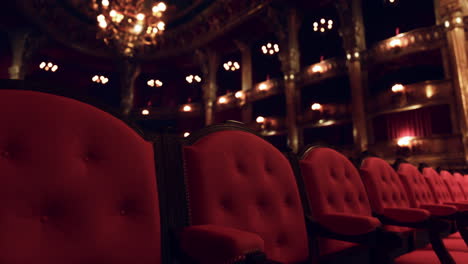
x=430 y=91
x=317 y=69
x=222 y=100
x=263 y=87
x=260 y=120
x=187 y=108
x=405 y=142
x=395 y=43
x=316 y=107
x=398 y=88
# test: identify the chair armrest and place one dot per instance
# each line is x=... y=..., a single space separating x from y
x=406 y=215
x=460 y=206
x=218 y=244
x=349 y=225
x=440 y=210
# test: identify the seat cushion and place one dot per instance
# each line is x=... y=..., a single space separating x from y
x=453 y=245
x=429 y=257
x=456 y=235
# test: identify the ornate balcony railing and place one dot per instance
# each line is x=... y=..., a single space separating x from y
x=417 y=40
x=412 y=96
x=325 y=115
x=443 y=149
x=325 y=69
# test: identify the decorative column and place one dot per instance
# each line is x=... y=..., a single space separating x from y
x=209 y=62
x=130 y=70
x=288 y=23
x=247 y=80
x=354 y=42
x=451 y=14
x=24 y=44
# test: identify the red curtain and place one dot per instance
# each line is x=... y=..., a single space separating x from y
x=415 y=123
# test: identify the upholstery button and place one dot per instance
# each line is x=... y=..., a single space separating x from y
x=288 y=201
x=5 y=154
x=44 y=218
x=123 y=212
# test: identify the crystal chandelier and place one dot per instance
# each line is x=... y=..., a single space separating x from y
x=129 y=24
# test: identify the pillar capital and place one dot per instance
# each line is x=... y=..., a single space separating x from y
x=209 y=63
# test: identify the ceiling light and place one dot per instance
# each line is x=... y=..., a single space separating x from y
x=270 y=49
x=119 y=19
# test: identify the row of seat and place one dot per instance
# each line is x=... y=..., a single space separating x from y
x=80 y=186
x=238 y=180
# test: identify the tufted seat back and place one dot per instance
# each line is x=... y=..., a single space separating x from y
x=236 y=179
x=383 y=185
x=76 y=185
x=416 y=187
x=453 y=186
x=437 y=185
x=333 y=184
x=461 y=182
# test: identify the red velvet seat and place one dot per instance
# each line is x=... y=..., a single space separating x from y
x=76 y=185
x=237 y=180
x=336 y=195
x=389 y=200
x=421 y=196
x=454 y=187
x=440 y=189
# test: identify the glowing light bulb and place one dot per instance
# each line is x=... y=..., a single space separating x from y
x=316 y=107
x=137 y=28
x=317 y=69
x=405 y=141
x=239 y=94
x=186 y=134
x=161 y=25
x=222 y=100
x=54 y=68
x=263 y=87
x=95 y=78
x=140 y=16
x=260 y=119
x=42 y=65
x=398 y=88
x=105 y=3
x=187 y=108
x=145 y=112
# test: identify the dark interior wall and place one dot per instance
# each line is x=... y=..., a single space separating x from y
x=381 y=17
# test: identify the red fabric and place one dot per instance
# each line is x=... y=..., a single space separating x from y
x=217 y=244
x=415 y=123
x=429 y=257
x=332 y=246
x=355 y=224
x=437 y=186
x=406 y=215
x=439 y=209
x=453 y=186
x=333 y=186
x=453 y=245
x=461 y=182
x=383 y=185
x=456 y=235
x=460 y=206
x=77 y=185
x=236 y=179
x=416 y=187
